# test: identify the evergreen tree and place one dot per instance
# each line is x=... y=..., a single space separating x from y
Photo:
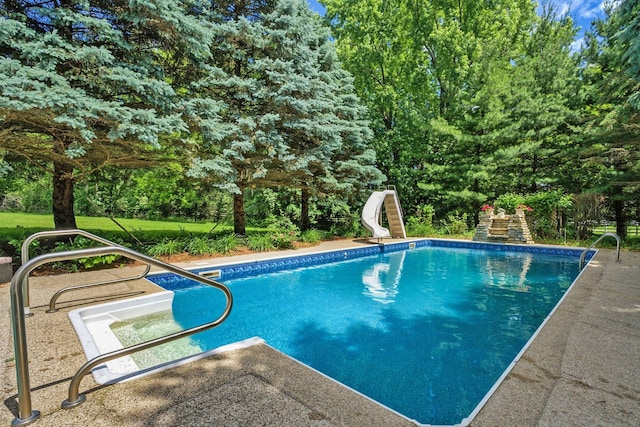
x=611 y=71
x=82 y=86
x=540 y=111
x=289 y=110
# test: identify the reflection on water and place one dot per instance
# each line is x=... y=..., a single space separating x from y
x=509 y=273
x=382 y=279
x=426 y=332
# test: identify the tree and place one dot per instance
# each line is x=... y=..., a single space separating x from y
x=289 y=108
x=433 y=75
x=540 y=112
x=378 y=43
x=82 y=86
x=611 y=70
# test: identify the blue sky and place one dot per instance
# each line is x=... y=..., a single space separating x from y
x=581 y=11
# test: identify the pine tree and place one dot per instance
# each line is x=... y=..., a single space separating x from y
x=287 y=110
x=82 y=86
x=611 y=70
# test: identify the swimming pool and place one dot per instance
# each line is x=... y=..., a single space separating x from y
x=426 y=332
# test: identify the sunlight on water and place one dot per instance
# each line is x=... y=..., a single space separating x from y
x=426 y=332
x=139 y=329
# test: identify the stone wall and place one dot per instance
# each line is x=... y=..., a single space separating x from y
x=501 y=228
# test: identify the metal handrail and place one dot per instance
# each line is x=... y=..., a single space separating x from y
x=52 y=302
x=584 y=253
x=25 y=413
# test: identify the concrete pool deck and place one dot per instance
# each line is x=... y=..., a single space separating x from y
x=582 y=369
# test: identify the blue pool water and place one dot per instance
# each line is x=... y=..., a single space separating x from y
x=426 y=332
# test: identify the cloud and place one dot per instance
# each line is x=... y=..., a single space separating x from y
x=577 y=45
x=583 y=12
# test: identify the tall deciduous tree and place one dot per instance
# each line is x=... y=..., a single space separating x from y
x=82 y=86
x=427 y=70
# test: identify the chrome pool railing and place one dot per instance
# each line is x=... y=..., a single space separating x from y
x=72 y=232
x=26 y=414
x=614 y=235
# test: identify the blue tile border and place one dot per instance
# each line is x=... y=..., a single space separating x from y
x=251 y=268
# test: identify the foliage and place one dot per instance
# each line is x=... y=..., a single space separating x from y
x=613 y=107
x=285 y=233
x=260 y=242
x=81 y=89
x=465 y=105
x=349 y=225
x=290 y=116
x=311 y=236
x=587 y=213
x=199 y=246
x=509 y=202
x=421 y=223
x=467 y=102
x=166 y=247
x=455 y=224
x=85 y=262
x=227 y=244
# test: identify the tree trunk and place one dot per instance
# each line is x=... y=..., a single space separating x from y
x=64 y=216
x=621 y=218
x=239 y=226
x=305 y=222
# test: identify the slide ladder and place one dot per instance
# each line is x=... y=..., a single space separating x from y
x=372 y=215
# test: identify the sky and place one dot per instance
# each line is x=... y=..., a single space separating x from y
x=581 y=11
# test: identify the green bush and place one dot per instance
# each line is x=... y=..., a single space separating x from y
x=509 y=202
x=227 y=244
x=455 y=224
x=311 y=236
x=285 y=239
x=261 y=242
x=286 y=232
x=421 y=224
x=85 y=262
x=167 y=247
x=348 y=226
x=199 y=246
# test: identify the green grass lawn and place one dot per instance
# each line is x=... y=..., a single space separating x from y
x=12 y=220
x=19 y=226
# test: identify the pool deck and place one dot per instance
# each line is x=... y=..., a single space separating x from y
x=583 y=368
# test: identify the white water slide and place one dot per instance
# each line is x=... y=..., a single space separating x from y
x=372 y=215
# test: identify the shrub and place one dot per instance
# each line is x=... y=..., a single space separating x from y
x=421 y=224
x=200 y=246
x=166 y=247
x=85 y=262
x=285 y=234
x=455 y=224
x=261 y=242
x=349 y=226
x=285 y=239
x=311 y=236
x=509 y=202
x=227 y=244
